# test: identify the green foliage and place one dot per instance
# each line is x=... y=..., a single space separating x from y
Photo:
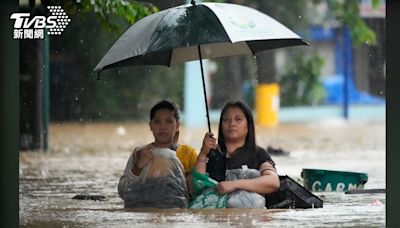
x=114 y=15
x=376 y=3
x=347 y=12
x=123 y=93
x=301 y=84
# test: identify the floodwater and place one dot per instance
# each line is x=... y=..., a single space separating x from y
x=88 y=158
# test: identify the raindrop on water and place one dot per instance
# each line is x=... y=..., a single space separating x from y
x=163 y=219
x=66 y=150
x=44 y=172
x=76 y=98
x=121 y=131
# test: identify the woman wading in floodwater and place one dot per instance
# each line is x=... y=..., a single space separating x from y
x=166 y=186
x=236 y=162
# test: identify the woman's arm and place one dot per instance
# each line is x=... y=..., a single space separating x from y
x=133 y=168
x=127 y=177
x=143 y=156
x=209 y=142
x=268 y=182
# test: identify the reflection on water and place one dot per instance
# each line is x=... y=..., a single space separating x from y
x=89 y=159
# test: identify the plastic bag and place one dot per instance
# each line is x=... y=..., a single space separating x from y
x=201 y=182
x=210 y=199
x=161 y=183
x=162 y=165
x=243 y=198
x=205 y=195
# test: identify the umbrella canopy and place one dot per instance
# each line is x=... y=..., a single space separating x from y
x=196 y=31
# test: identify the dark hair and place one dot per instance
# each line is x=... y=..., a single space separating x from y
x=250 y=143
x=165 y=104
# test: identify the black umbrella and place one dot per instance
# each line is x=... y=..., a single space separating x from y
x=196 y=31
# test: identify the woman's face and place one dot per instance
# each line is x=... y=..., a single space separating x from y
x=234 y=125
x=164 y=126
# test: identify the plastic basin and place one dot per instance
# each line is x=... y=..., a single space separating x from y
x=318 y=180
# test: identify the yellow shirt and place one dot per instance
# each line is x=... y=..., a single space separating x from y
x=187 y=155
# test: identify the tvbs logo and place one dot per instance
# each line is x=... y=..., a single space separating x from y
x=26 y=28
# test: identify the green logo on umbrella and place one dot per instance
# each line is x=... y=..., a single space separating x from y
x=242 y=22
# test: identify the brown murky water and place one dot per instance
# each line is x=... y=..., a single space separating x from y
x=89 y=159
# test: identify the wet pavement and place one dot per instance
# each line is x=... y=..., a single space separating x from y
x=89 y=159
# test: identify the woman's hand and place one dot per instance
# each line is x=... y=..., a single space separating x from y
x=226 y=187
x=209 y=142
x=144 y=156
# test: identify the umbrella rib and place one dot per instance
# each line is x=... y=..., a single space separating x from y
x=170 y=58
x=252 y=52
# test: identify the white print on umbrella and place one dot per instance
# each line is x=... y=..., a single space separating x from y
x=244 y=23
x=26 y=28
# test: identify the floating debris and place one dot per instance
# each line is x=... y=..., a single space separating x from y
x=368 y=191
x=89 y=197
x=277 y=152
x=376 y=203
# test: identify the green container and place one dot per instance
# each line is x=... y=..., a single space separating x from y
x=320 y=180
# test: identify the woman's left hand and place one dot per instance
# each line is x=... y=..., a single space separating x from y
x=226 y=187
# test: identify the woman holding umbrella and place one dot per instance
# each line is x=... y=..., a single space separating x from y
x=237 y=150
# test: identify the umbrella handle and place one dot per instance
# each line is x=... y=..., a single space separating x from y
x=204 y=89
